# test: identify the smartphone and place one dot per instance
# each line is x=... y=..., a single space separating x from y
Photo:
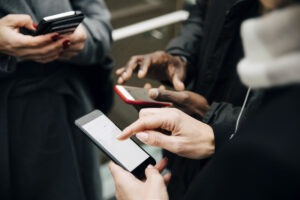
x=62 y=23
x=138 y=96
x=103 y=132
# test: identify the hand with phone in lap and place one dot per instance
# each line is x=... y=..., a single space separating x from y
x=74 y=43
x=40 y=49
x=68 y=26
x=123 y=178
x=103 y=132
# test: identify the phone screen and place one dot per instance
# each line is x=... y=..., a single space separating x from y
x=104 y=132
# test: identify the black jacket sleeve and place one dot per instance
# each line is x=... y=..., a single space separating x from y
x=188 y=42
x=222 y=118
x=261 y=161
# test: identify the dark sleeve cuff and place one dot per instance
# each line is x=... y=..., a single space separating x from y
x=222 y=118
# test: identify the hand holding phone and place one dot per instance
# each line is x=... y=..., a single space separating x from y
x=103 y=133
x=138 y=96
x=62 y=23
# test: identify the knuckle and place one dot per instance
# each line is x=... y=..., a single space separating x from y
x=178 y=147
x=57 y=48
x=165 y=95
x=55 y=57
x=33 y=44
x=8 y=17
x=81 y=47
x=26 y=17
x=175 y=113
x=133 y=58
x=154 y=140
x=143 y=123
x=20 y=53
x=43 y=52
x=185 y=97
x=143 y=112
x=157 y=178
x=159 y=53
x=14 y=45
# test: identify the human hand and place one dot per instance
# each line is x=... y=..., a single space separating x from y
x=189 y=102
x=39 y=49
x=158 y=65
x=74 y=43
x=129 y=187
x=189 y=137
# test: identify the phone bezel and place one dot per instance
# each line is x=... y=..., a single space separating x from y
x=66 y=19
x=139 y=171
x=134 y=101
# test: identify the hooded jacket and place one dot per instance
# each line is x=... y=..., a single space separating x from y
x=261 y=161
x=210 y=40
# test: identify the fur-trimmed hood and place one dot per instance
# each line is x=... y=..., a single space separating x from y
x=272 y=49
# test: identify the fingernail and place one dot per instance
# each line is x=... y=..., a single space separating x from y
x=120 y=80
x=142 y=136
x=153 y=93
x=35 y=25
x=150 y=166
x=140 y=73
x=55 y=38
x=66 y=44
x=119 y=137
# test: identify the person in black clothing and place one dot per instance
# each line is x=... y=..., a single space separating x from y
x=204 y=56
x=260 y=161
x=46 y=82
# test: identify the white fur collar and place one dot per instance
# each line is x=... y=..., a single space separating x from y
x=272 y=49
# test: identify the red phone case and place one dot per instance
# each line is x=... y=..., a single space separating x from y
x=141 y=102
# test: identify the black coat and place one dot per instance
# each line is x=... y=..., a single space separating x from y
x=43 y=154
x=210 y=40
x=262 y=160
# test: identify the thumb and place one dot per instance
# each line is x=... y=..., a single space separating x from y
x=118 y=173
x=167 y=95
x=157 y=139
x=152 y=174
x=19 y=20
x=177 y=83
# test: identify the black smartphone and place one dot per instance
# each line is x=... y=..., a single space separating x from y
x=62 y=23
x=138 y=96
x=103 y=132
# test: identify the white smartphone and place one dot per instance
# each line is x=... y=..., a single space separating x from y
x=103 y=132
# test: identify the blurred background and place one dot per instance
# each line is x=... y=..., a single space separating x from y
x=126 y=13
x=140 y=27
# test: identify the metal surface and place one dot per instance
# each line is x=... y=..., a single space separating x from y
x=150 y=24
